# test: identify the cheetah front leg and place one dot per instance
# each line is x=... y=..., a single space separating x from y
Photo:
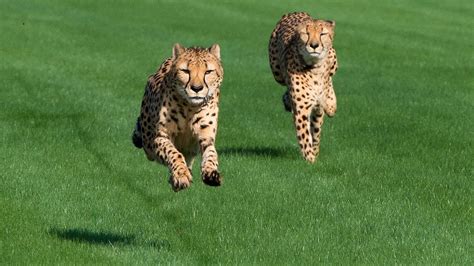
x=180 y=176
x=301 y=114
x=316 y=125
x=330 y=104
x=206 y=131
x=209 y=172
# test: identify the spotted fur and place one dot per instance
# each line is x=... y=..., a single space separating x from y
x=179 y=114
x=303 y=59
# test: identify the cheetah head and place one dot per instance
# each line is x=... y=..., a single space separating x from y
x=198 y=72
x=315 y=40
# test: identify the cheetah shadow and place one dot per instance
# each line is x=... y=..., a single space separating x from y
x=256 y=151
x=78 y=235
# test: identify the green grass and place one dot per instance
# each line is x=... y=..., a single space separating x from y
x=393 y=184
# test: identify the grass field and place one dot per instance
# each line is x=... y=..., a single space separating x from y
x=393 y=184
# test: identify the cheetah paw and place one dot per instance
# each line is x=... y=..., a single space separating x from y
x=310 y=158
x=181 y=180
x=330 y=112
x=212 y=178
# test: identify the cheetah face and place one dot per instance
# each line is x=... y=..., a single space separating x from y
x=315 y=40
x=198 y=72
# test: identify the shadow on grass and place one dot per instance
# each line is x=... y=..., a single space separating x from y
x=105 y=238
x=256 y=151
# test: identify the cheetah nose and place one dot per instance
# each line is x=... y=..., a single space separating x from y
x=314 y=45
x=197 y=88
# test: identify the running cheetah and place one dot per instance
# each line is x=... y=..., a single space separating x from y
x=179 y=114
x=302 y=59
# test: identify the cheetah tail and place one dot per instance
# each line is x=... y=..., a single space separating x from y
x=137 y=135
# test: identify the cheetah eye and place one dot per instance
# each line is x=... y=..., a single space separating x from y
x=208 y=72
x=184 y=70
x=324 y=33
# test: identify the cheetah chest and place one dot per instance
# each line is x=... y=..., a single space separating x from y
x=309 y=88
x=185 y=140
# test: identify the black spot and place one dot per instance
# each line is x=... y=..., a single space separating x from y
x=204 y=126
x=197 y=120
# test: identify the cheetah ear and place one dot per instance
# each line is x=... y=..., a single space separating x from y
x=215 y=50
x=178 y=49
x=331 y=23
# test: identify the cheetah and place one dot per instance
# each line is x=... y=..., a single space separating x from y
x=179 y=114
x=302 y=59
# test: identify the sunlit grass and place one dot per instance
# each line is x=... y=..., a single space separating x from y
x=393 y=183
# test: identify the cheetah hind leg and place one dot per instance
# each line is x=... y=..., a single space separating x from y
x=137 y=135
x=287 y=101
